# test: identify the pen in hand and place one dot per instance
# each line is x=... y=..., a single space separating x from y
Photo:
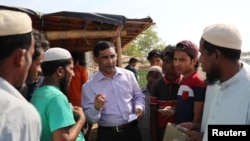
x=103 y=96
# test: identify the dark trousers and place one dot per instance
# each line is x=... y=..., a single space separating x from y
x=132 y=134
x=160 y=134
x=86 y=130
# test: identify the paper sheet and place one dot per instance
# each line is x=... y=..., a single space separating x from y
x=173 y=134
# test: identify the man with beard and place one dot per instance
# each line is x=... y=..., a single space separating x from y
x=19 y=120
x=154 y=73
x=227 y=97
x=51 y=102
x=111 y=97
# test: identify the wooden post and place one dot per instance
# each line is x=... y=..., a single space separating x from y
x=119 y=48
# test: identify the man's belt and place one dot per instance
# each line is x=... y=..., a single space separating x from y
x=122 y=127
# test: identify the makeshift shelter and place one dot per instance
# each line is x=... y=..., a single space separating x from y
x=78 y=31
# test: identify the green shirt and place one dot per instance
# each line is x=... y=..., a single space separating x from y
x=54 y=109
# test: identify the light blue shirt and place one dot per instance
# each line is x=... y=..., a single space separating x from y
x=228 y=103
x=122 y=93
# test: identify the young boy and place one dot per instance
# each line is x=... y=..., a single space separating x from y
x=155 y=57
x=191 y=94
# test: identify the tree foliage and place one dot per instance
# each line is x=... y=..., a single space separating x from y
x=144 y=43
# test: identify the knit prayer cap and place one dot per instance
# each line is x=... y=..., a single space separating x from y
x=223 y=35
x=156 y=69
x=56 y=53
x=14 y=23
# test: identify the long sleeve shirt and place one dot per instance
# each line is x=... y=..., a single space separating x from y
x=19 y=120
x=228 y=103
x=122 y=93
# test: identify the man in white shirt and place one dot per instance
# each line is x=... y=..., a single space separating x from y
x=227 y=97
x=19 y=120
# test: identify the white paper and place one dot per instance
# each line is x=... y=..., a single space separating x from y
x=132 y=117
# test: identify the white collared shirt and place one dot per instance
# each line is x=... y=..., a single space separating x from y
x=228 y=103
x=19 y=120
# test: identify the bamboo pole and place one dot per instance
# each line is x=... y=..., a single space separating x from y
x=73 y=34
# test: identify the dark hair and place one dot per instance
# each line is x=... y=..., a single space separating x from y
x=154 y=53
x=10 y=43
x=75 y=56
x=40 y=44
x=49 y=67
x=169 y=51
x=102 y=45
x=132 y=60
x=45 y=44
x=231 y=54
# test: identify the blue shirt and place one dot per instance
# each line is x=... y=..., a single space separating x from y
x=122 y=93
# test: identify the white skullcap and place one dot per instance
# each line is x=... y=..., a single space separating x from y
x=14 y=23
x=223 y=35
x=156 y=69
x=56 y=53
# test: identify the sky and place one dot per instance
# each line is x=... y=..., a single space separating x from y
x=175 y=20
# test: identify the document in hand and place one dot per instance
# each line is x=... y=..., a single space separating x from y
x=173 y=134
x=132 y=117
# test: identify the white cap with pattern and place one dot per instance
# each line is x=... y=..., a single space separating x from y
x=56 y=53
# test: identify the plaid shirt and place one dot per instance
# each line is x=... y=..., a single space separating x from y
x=144 y=124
